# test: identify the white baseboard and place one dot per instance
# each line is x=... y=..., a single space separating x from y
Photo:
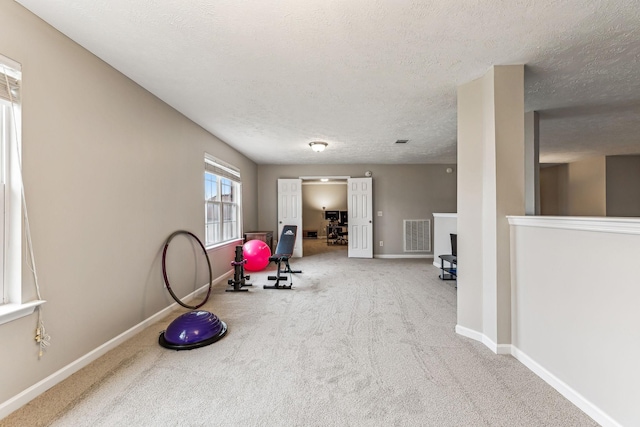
x=437 y=264
x=405 y=256
x=24 y=397
x=477 y=336
x=469 y=333
x=563 y=388
x=504 y=349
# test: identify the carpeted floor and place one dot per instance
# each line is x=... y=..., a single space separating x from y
x=358 y=342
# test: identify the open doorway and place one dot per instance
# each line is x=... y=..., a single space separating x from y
x=324 y=215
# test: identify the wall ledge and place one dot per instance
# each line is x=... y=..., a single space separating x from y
x=582 y=223
x=445 y=215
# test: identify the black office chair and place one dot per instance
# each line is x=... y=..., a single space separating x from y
x=450 y=272
x=342 y=237
x=454 y=244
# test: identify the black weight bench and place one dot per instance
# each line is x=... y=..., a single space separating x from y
x=284 y=251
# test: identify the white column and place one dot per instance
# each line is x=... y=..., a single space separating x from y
x=532 y=162
x=491 y=163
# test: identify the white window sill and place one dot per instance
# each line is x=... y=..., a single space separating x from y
x=9 y=312
x=225 y=243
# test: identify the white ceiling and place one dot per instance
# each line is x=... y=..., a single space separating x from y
x=268 y=77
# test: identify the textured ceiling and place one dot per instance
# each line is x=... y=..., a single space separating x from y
x=268 y=77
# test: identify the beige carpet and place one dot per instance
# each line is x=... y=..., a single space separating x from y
x=356 y=343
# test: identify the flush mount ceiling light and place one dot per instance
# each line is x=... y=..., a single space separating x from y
x=318 y=146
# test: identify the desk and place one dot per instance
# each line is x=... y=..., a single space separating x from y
x=336 y=234
x=450 y=272
x=265 y=236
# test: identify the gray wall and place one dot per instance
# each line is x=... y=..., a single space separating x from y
x=109 y=172
x=576 y=188
x=586 y=192
x=623 y=191
x=553 y=190
x=593 y=187
x=399 y=191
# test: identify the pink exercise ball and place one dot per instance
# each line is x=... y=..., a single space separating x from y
x=257 y=254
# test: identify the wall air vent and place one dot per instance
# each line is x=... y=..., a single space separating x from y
x=417 y=235
x=402 y=141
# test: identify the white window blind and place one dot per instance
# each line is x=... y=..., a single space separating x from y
x=9 y=80
x=220 y=168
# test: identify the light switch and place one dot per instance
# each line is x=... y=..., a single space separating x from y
x=379 y=213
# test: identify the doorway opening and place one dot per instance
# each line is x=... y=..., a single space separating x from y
x=324 y=215
x=359 y=208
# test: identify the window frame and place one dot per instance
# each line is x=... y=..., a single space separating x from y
x=11 y=305
x=4 y=141
x=225 y=175
x=11 y=183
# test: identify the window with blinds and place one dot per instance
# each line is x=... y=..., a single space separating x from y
x=222 y=201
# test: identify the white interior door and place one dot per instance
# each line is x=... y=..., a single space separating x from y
x=360 y=205
x=290 y=209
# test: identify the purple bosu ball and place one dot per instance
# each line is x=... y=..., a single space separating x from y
x=193 y=330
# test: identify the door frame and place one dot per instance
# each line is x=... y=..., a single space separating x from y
x=357 y=248
x=302 y=179
x=342 y=178
x=282 y=221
